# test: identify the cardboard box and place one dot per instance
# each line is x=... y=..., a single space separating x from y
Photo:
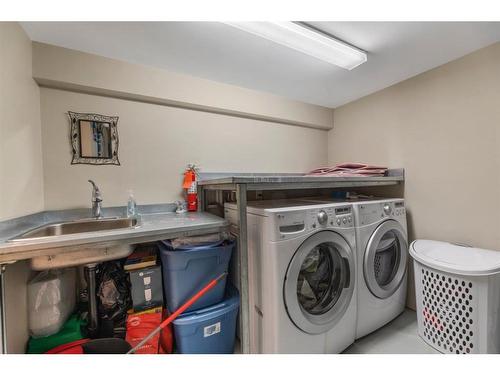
x=147 y=288
x=143 y=256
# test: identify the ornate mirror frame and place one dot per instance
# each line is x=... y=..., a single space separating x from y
x=75 y=139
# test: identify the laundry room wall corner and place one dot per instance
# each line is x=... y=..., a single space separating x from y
x=442 y=127
x=21 y=169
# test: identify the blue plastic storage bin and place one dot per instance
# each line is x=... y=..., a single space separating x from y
x=187 y=270
x=208 y=331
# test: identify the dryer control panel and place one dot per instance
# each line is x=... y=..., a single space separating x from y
x=372 y=212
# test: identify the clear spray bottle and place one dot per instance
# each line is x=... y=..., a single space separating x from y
x=131 y=205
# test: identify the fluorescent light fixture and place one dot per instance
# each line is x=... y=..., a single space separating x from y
x=306 y=40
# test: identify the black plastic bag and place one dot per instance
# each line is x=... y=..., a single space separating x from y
x=113 y=299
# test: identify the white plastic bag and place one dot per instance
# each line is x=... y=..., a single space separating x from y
x=51 y=300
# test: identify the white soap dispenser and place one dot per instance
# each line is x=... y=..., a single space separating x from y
x=131 y=205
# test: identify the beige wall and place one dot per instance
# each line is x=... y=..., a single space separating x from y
x=443 y=127
x=167 y=120
x=21 y=182
x=58 y=67
x=157 y=142
x=21 y=188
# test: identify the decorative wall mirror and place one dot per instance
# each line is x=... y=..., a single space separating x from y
x=94 y=139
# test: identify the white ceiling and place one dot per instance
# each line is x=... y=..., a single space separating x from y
x=212 y=50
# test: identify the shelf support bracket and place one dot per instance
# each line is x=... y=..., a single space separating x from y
x=241 y=204
x=3 y=332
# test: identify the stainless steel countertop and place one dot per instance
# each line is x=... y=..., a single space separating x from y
x=154 y=226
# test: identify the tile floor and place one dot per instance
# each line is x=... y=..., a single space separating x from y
x=398 y=337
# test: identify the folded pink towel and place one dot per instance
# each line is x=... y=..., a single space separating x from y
x=350 y=170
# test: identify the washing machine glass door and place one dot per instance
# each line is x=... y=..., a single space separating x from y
x=385 y=259
x=319 y=282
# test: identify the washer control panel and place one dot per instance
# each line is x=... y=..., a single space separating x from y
x=322 y=217
x=343 y=216
x=387 y=208
x=332 y=217
x=290 y=224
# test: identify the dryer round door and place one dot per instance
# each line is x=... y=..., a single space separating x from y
x=385 y=259
x=319 y=282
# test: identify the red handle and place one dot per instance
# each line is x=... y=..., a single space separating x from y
x=179 y=311
x=190 y=301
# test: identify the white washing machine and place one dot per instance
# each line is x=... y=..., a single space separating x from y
x=382 y=257
x=302 y=276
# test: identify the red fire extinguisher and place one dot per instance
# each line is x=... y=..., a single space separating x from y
x=190 y=186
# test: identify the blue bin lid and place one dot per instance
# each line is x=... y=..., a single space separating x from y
x=230 y=302
x=201 y=246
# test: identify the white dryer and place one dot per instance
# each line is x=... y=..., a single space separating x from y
x=382 y=257
x=382 y=262
x=302 y=276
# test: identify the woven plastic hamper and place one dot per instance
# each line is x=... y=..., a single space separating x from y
x=458 y=297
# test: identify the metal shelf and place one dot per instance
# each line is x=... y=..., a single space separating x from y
x=271 y=181
x=241 y=183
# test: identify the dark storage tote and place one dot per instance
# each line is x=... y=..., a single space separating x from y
x=211 y=330
x=188 y=269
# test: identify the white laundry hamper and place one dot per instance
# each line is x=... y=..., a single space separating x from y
x=458 y=297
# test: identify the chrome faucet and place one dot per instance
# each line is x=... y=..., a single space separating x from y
x=96 y=201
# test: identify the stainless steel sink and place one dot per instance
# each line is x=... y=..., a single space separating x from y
x=77 y=226
x=80 y=254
